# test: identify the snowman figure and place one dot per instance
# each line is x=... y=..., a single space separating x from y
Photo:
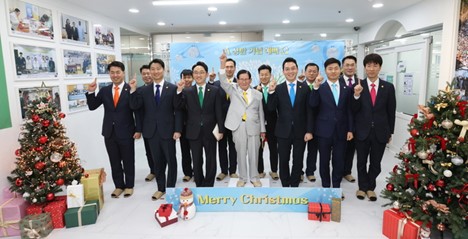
x=425 y=233
x=187 y=209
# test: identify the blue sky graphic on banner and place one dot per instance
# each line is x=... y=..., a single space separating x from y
x=250 y=55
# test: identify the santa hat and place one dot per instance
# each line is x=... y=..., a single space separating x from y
x=186 y=194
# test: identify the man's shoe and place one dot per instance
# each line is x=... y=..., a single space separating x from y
x=220 y=177
x=116 y=193
x=350 y=178
x=261 y=175
x=311 y=178
x=150 y=177
x=128 y=192
x=186 y=178
x=256 y=184
x=302 y=177
x=240 y=183
x=233 y=175
x=371 y=195
x=274 y=175
x=360 y=194
x=157 y=195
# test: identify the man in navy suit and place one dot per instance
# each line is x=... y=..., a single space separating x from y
x=294 y=125
x=374 y=106
x=118 y=127
x=146 y=77
x=187 y=78
x=162 y=123
x=333 y=122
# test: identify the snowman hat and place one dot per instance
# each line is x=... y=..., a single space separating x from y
x=186 y=194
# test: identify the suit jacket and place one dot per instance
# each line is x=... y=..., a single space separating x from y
x=381 y=116
x=225 y=100
x=120 y=118
x=255 y=122
x=300 y=115
x=331 y=118
x=207 y=116
x=164 y=118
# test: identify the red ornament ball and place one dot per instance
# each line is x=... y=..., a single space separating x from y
x=62 y=164
x=414 y=132
x=35 y=118
x=62 y=115
x=406 y=160
x=50 y=197
x=42 y=185
x=461 y=139
x=39 y=166
x=38 y=149
x=390 y=187
x=60 y=182
x=440 y=183
x=56 y=124
x=67 y=154
x=19 y=182
x=18 y=152
x=431 y=187
x=45 y=123
x=42 y=140
x=86 y=175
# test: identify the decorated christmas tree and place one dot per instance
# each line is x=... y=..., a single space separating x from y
x=46 y=159
x=430 y=184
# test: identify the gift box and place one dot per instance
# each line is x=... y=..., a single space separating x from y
x=166 y=215
x=319 y=211
x=92 y=183
x=7 y=194
x=11 y=212
x=336 y=210
x=57 y=208
x=75 y=196
x=396 y=225
x=85 y=215
x=36 y=226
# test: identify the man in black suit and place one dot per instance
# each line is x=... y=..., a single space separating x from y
x=203 y=104
x=333 y=122
x=162 y=123
x=374 y=106
x=187 y=78
x=146 y=76
x=294 y=125
x=118 y=127
x=264 y=72
x=349 y=78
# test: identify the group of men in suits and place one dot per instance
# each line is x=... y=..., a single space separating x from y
x=336 y=117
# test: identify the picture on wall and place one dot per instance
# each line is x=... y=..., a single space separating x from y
x=77 y=63
x=76 y=97
x=104 y=36
x=34 y=62
x=74 y=29
x=29 y=94
x=30 y=20
x=102 y=60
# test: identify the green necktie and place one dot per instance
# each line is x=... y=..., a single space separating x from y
x=200 y=95
x=310 y=86
x=265 y=93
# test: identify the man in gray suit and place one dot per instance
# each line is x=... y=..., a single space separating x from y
x=245 y=119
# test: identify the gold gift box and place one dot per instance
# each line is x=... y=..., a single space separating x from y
x=93 y=181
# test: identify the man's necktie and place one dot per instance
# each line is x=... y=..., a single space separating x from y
x=350 y=82
x=244 y=95
x=227 y=95
x=116 y=95
x=373 y=94
x=157 y=96
x=200 y=95
x=292 y=93
x=265 y=93
x=335 y=93
x=311 y=86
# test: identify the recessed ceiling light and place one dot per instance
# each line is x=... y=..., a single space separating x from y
x=286 y=21
x=97 y=25
x=187 y=2
x=323 y=34
x=212 y=9
x=377 y=5
x=161 y=23
x=277 y=35
x=133 y=10
x=232 y=36
x=349 y=20
x=222 y=22
x=188 y=37
x=142 y=38
x=294 y=8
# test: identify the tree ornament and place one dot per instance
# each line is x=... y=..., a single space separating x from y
x=422 y=154
x=440 y=183
x=410 y=191
x=45 y=123
x=35 y=118
x=34 y=200
x=50 y=197
x=86 y=175
x=464 y=125
x=62 y=115
x=28 y=172
x=56 y=124
x=461 y=140
x=39 y=166
x=390 y=187
x=396 y=205
x=26 y=195
x=431 y=187
x=42 y=185
x=447 y=124
x=406 y=160
x=441 y=227
x=18 y=152
x=42 y=139
x=67 y=154
x=457 y=160
x=60 y=182
x=19 y=182
x=55 y=157
x=62 y=164
x=414 y=132
x=447 y=173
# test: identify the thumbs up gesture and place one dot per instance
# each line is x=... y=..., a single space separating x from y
x=92 y=86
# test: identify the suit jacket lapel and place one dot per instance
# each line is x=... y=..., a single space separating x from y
x=380 y=92
x=365 y=88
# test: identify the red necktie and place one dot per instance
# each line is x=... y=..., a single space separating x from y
x=373 y=93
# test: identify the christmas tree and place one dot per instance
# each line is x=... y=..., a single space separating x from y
x=46 y=159
x=430 y=184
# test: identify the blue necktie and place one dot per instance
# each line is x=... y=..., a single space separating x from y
x=335 y=93
x=157 y=96
x=292 y=93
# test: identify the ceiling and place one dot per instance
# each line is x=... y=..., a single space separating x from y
x=247 y=15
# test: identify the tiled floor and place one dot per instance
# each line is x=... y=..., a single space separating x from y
x=134 y=217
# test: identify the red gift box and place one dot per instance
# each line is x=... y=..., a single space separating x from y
x=166 y=220
x=56 y=208
x=319 y=211
x=396 y=225
x=165 y=210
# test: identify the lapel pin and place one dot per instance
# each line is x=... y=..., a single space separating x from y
x=300 y=86
x=207 y=89
x=167 y=87
x=382 y=86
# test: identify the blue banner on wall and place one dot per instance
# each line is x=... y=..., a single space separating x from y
x=254 y=199
x=250 y=55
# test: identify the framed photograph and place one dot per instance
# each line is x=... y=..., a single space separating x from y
x=30 y=20
x=29 y=94
x=34 y=62
x=104 y=36
x=74 y=30
x=103 y=84
x=77 y=63
x=102 y=61
x=76 y=97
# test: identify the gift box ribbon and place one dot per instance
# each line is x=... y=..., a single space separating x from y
x=165 y=210
x=402 y=223
x=7 y=224
x=74 y=198
x=320 y=214
x=79 y=212
x=31 y=232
